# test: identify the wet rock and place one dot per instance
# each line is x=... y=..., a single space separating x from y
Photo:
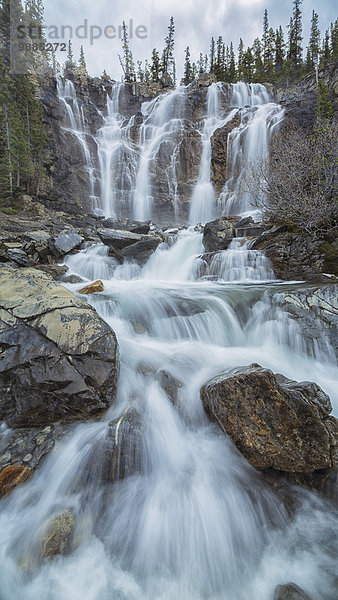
x=18 y=256
x=123 y=446
x=118 y=239
x=170 y=385
x=59 y=359
x=142 y=250
x=276 y=423
x=12 y=476
x=218 y=234
x=294 y=255
x=142 y=227
x=219 y=147
x=290 y=591
x=66 y=242
x=72 y=279
x=33 y=442
x=92 y=288
x=58 y=536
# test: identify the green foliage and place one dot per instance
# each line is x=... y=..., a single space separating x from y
x=188 y=70
x=128 y=65
x=168 y=62
x=324 y=105
x=23 y=134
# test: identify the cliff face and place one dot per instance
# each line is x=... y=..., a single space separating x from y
x=75 y=166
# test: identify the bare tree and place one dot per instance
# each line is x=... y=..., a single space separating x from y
x=297 y=183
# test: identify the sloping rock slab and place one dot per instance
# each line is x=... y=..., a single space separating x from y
x=276 y=423
x=59 y=359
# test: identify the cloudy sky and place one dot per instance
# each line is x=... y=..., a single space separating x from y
x=196 y=21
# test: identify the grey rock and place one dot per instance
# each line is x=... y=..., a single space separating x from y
x=290 y=591
x=59 y=359
x=218 y=234
x=18 y=256
x=67 y=241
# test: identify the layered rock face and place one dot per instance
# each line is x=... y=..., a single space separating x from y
x=59 y=359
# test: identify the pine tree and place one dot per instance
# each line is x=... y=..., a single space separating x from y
x=140 y=72
x=334 y=40
x=240 y=68
x=279 y=49
x=188 y=71
x=326 y=53
x=212 y=55
x=220 y=60
x=82 y=62
x=265 y=38
x=201 y=64
x=258 y=62
x=295 y=36
x=248 y=65
x=314 y=41
x=168 y=62
x=232 y=65
x=127 y=62
x=155 y=67
x=324 y=104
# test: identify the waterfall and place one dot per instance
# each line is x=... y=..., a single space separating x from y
x=236 y=264
x=248 y=145
x=76 y=125
x=203 y=205
x=161 y=131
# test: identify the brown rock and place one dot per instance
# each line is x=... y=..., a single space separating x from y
x=92 y=288
x=276 y=423
x=58 y=537
x=219 y=149
x=12 y=476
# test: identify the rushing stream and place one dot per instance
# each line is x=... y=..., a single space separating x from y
x=195 y=521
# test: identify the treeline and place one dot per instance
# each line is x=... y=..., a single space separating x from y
x=23 y=134
x=272 y=57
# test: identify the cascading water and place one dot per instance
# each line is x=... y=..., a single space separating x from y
x=194 y=520
x=203 y=204
x=247 y=146
x=162 y=126
x=76 y=126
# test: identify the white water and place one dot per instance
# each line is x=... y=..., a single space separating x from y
x=198 y=522
x=247 y=146
x=203 y=202
x=162 y=126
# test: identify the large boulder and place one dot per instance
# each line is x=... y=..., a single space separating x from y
x=218 y=234
x=59 y=359
x=276 y=423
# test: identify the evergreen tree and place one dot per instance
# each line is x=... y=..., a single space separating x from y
x=232 y=65
x=168 y=62
x=326 y=53
x=212 y=55
x=295 y=36
x=82 y=62
x=258 y=62
x=265 y=38
x=140 y=72
x=279 y=49
x=240 y=67
x=155 y=67
x=220 y=60
x=188 y=71
x=324 y=104
x=248 y=66
x=201 y=64
x=314 y=41
x=334 y=40
x=127 y=62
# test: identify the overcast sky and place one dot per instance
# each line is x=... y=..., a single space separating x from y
x=196 y=21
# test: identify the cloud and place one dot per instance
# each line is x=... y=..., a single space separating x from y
x=195 y=20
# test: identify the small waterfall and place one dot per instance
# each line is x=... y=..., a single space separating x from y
x=237 y=264
x=76 y=125
x=161 y=131
x=118 y=158
x=203 y=205
x=248 y=145
x=92 y=263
